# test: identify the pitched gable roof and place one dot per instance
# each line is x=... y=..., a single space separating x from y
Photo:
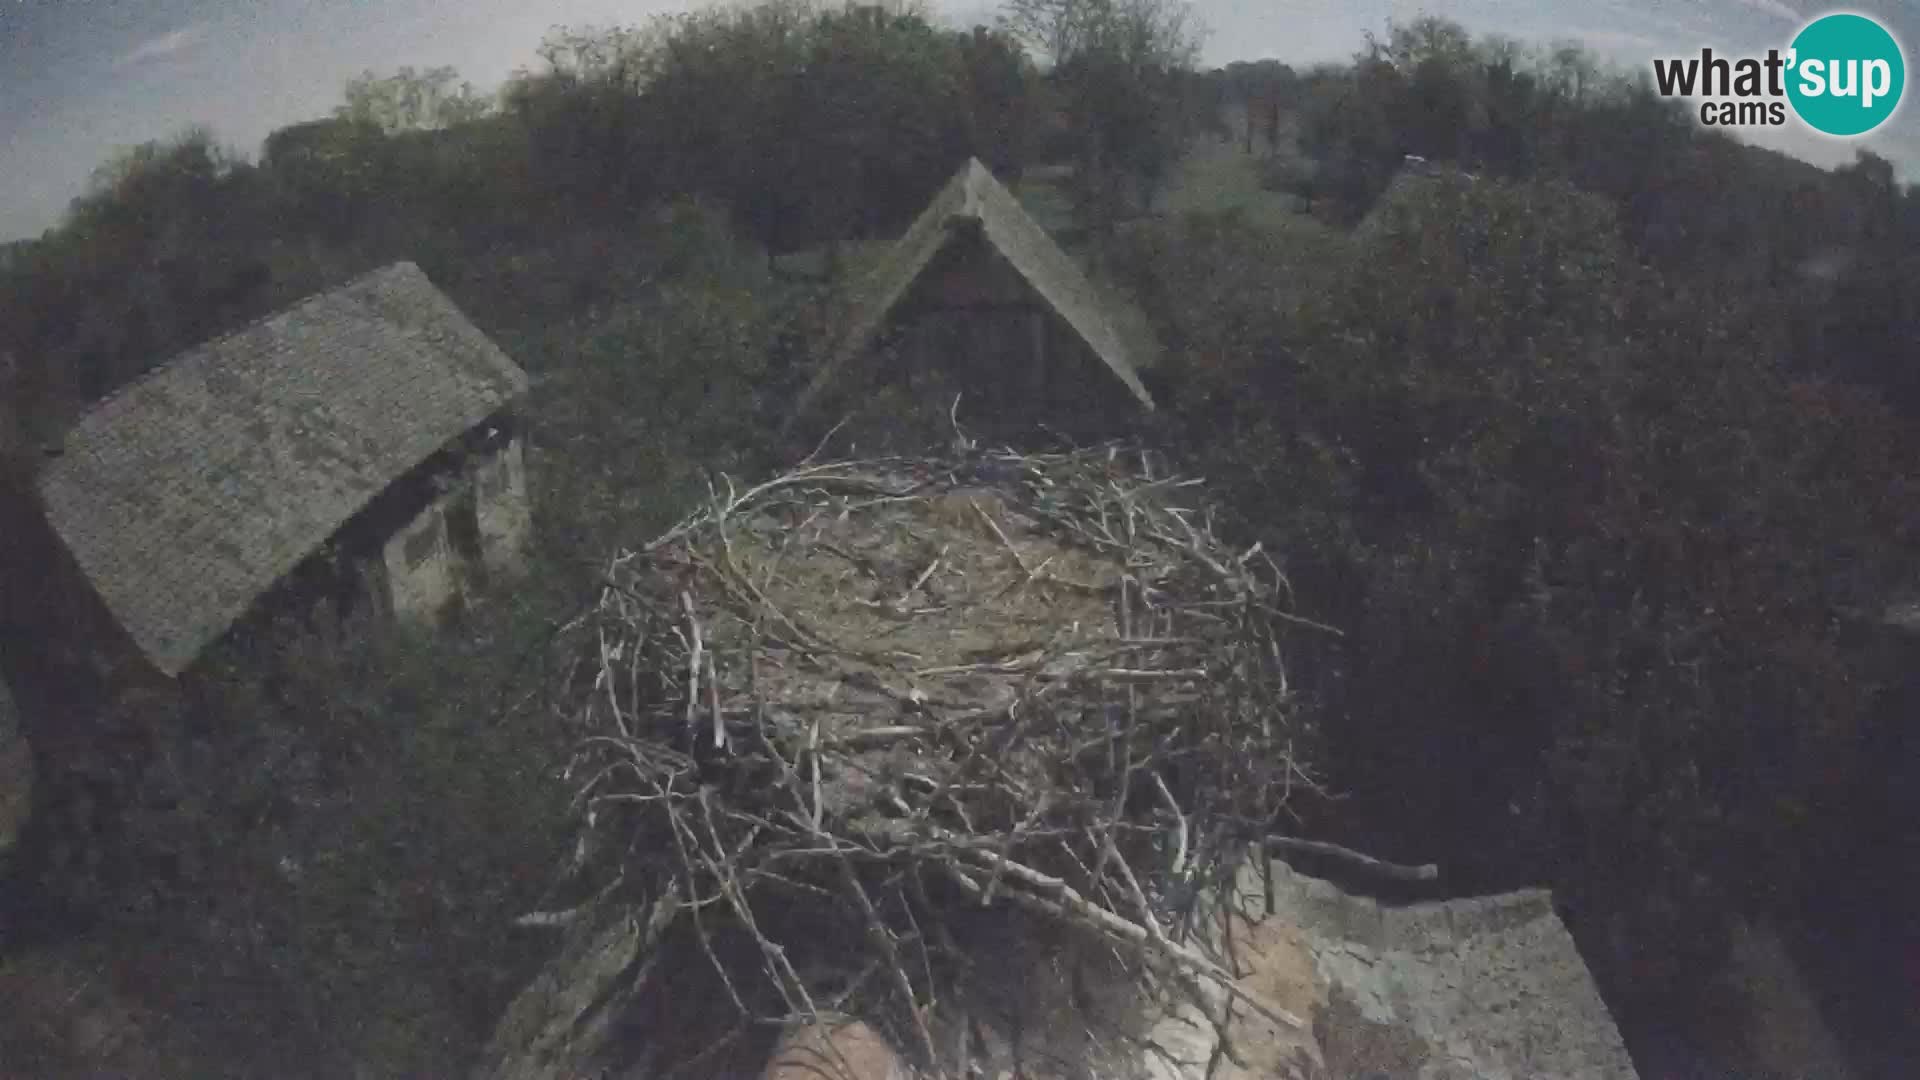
x=191 y=491
x=974 y=198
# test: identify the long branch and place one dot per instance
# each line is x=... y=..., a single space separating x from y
x=1067 y=900
x=1396 y=871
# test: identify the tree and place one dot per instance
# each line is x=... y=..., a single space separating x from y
x=126 y=188
x=582 y=117
x=1258 y=88
x=161 y=232
x=1349 y=126
x=1513 y=103
x=622 y=55
x=1572 y=72
x=1058 y=29
x=411 y=100
x=327 y=171
x=997 y=84
x=883 y=121
x=1427 y=39
x=807 y=125
x=1122 y=66
x=1437 y=99
x=1867 y=323
x=1419 y=89
x=1259 y=80
x=1582 y=528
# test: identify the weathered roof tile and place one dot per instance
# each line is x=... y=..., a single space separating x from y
x=192 y=490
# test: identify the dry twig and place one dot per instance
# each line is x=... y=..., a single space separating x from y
x=864 y=751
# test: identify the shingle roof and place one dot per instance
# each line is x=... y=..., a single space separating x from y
x=973 y=196
x=1490 y=986
x=191 y=491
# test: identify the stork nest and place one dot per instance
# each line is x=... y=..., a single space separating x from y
x=831 y=718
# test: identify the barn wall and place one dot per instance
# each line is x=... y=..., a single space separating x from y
x=1020 y=365
x=500 y=504
x=969 y=326
x=988 y=353
x=417 y=547
x=472 y=498
x=372 y=588
x=973 y=325
x=971 y=274
x=421 y=574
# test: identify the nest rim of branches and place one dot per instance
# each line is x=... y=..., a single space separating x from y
x=874 y=696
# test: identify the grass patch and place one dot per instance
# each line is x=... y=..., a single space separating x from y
x=1044 y=193
x=1219 y=177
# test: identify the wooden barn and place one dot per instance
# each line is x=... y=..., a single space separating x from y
x=356 y=452
x=977 y=299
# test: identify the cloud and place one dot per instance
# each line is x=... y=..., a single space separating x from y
x=1775 y=8
x=1620 y=40
x=163 y=46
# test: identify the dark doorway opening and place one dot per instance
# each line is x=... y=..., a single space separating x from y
x=463 y=535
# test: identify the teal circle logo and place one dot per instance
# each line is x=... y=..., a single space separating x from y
x=1846 y=74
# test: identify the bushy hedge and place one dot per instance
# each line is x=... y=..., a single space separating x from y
x=322 y=859
x=1585 y=528
x=640 y=401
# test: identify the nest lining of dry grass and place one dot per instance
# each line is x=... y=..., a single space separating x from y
x=829 y=718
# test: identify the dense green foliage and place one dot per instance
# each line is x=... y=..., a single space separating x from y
x=1121 y=71
x=1575 y=454
x=333 y=839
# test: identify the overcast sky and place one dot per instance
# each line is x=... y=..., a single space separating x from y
x=80 y=78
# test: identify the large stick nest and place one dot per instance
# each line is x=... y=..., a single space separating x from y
x=833 y=718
